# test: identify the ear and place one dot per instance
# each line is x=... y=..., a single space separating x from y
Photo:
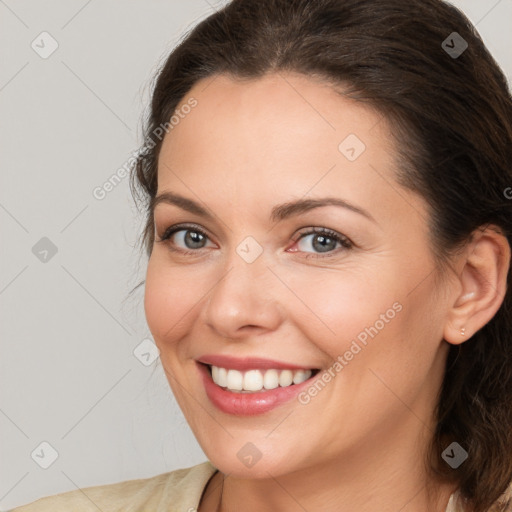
x=482 y=284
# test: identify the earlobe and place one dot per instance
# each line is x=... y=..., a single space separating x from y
x=481 y=286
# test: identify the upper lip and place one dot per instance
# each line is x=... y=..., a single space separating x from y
x=249 y=363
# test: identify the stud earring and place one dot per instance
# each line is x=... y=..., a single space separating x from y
x=463 y=331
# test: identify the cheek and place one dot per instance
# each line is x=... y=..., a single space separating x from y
x=341 y=307
x=169 y=299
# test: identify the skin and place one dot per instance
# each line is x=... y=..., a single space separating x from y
x=359 y=444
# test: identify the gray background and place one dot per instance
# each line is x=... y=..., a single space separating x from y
x=68 y=374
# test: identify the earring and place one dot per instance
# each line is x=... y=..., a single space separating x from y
x=463 y=331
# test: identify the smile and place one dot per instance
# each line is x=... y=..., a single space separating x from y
x=252 y=381
x=251 y=388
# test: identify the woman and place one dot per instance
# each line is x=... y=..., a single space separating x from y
x=329 y=222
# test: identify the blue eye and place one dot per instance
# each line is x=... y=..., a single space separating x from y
x=194 y=239
x=324 y=240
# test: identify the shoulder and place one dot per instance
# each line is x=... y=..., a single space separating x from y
x=503 y=504
x=178 y=490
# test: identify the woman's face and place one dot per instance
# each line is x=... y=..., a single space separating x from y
x=363 y=309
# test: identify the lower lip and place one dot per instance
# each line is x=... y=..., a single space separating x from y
x=248 y=404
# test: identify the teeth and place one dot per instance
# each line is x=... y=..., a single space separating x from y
x=271 y=379
x=220 y=376
x=286 y=378
x=301 y=376
x=253 y=380
x=222 y=379
x=256 y=380
x=235 y=380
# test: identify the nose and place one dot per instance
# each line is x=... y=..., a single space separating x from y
x=245 y=300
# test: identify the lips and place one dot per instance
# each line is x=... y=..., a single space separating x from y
x=249 y=363
x=248 y=403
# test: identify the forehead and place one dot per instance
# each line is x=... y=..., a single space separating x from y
x=277 y=113
x=277 y=137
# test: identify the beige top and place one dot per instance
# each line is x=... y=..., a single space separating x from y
x=176 y=491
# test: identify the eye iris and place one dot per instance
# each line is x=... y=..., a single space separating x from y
x=322 y=239
x=195 y=238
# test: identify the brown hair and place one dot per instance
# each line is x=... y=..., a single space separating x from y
x=451 y=116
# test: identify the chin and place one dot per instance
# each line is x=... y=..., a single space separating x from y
x=242 y=458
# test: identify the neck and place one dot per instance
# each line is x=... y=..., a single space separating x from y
x=372 y=477
x=277 y=494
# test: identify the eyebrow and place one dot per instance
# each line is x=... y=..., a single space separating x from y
x=278 y=213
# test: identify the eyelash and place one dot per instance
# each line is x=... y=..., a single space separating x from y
x=343 y=240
